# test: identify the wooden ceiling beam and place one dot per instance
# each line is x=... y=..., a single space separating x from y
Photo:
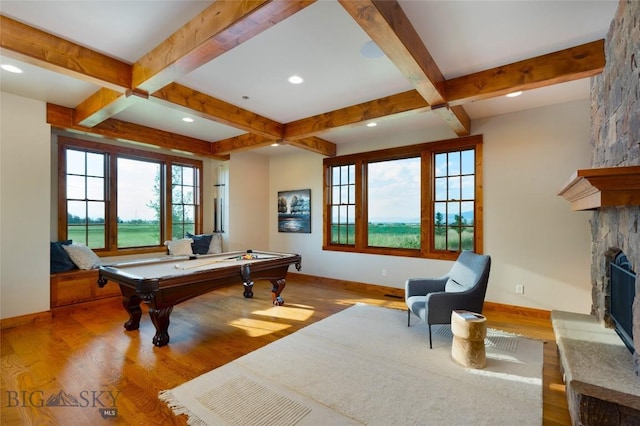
x=36 y=47
x=455 y=116
x=62 y=118
x=390 y=28
x=250 y=141
x=241 y=143
x=219 y=28
x=354 y=115
x=104 y=104
x=565 y=65
x=210 y=108
x=315 y=144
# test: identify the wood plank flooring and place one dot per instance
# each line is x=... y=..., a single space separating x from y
x=87 y=359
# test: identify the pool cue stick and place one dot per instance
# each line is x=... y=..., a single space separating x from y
x=191 y=265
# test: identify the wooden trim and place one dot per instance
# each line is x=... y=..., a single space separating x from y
x=605 y=187
x=116 y=299
x=25 y=320
x=479 y=207
x=517 y=310
x=394 y=292
x=349 y=285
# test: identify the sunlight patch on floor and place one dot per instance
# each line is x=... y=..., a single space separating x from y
x=511 y=377
x=291 y=312
x=504 y=357
x=255 y=328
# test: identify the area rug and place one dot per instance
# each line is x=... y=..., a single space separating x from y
x=364 y=366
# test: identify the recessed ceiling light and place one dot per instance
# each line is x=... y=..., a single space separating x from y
x=275 y=144
x=370 y=50
x=295 y=79
x=11 y=68
x=514 y=94
x=187 y=120
x=372 y=124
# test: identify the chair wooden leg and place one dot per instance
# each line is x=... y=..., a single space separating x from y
x=430 y=344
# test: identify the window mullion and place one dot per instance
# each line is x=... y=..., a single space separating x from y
x=62 y=193
x=361 y=203
x=166 y=200
x=426 y=203
x=111 y=221
x=197 y=189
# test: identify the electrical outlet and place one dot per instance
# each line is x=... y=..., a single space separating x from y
x=519 y=289
x=384 y=272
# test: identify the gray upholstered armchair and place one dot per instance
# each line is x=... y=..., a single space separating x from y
x=464 y=287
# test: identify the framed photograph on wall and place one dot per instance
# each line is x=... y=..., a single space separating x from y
x=294 y=211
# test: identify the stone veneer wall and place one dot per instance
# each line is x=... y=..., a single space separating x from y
x=615 y=141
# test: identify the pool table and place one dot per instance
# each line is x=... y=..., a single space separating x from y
x=164 y=282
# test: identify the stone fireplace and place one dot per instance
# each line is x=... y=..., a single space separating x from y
x=615 y=142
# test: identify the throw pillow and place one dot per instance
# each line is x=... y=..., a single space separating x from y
x=200 y=243
x=82 y=256
x=180 y=247
x=59 y=258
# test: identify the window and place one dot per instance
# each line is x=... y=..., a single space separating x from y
x=393 y=203
x=184 y=205
x=138 y=202
x=86 y=198
x=454 y=203
x=421 y=200
x=113 y=198
x=343 y=204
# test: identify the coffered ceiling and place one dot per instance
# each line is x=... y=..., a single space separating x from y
x=134 y=69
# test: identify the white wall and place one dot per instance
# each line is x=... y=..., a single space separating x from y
x=530 y=232
x=534 y=237
x=24 y=206
x=249 y=194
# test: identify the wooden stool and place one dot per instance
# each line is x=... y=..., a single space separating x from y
x=469 y=330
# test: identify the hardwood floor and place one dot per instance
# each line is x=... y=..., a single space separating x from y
x=87 y=355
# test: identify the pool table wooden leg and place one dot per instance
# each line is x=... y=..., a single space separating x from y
x=160 y=319
x=131 y=303
x=276 y=288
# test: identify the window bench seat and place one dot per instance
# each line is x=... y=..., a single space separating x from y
x=78 y=288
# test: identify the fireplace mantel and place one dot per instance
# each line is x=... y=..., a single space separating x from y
x=590 y=189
